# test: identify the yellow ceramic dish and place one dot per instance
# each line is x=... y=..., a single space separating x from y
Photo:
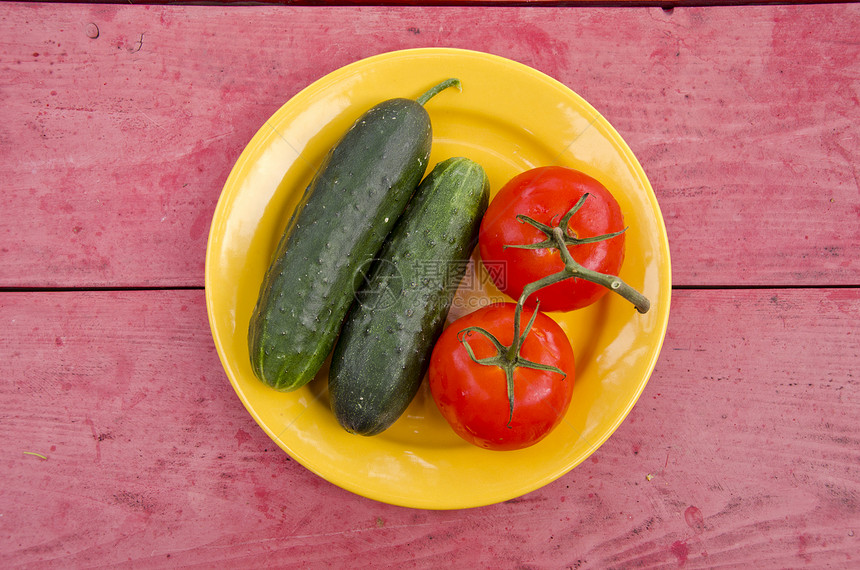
x=509 y=118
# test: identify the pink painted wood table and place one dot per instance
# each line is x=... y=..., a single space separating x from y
x=124 y=444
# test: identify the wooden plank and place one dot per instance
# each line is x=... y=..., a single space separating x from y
x=742 y=448
x=114 y=149
x=665 y=4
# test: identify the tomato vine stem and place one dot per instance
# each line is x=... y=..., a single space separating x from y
x=559 y=237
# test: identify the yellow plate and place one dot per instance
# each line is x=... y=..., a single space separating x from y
x=508 y=118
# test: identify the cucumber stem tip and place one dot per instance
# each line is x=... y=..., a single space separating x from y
x=433 y=91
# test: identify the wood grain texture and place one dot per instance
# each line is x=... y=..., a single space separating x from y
x=742 y=448
x=665 y=4
x=114 y=148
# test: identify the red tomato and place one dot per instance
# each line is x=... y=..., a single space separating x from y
x=546 y=194
x=473 y=397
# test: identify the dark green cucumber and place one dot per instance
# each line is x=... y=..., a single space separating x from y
x=349 y=208
x=384 y=347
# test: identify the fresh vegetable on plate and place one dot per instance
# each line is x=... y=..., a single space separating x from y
x=559 y=234
x=346 y=212
x=384 y=347
x=499 y=388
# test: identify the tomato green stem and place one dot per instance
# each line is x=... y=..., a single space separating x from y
x=508 y=358
x=433 y=91
x=558 y=237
